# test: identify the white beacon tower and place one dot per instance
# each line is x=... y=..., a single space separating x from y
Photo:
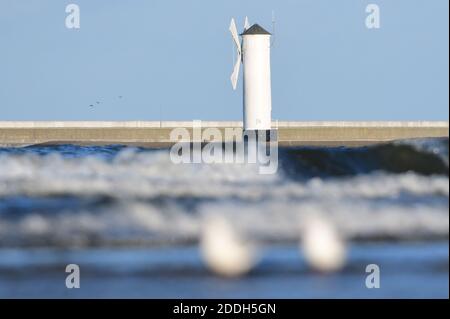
x=254 y=53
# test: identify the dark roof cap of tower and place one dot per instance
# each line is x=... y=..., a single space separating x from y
x=255 y=29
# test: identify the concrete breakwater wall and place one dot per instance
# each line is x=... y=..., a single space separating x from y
x=157 y=134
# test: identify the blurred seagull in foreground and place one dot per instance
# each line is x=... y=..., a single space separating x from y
x=223 y=250
x=322 y=247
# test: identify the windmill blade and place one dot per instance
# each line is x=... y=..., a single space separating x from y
x=237 y=65
x=235 y=35
x=235 y=74
x=246 y=24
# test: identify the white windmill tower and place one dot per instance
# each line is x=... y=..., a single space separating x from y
x=254 y=53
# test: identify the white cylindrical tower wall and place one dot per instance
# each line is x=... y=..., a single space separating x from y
x=257 y=85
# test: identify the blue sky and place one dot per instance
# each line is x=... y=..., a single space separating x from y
x=171 y=60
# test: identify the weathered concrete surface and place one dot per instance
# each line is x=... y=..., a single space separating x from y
x=157 y=134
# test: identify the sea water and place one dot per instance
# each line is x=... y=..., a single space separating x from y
x=131 y=219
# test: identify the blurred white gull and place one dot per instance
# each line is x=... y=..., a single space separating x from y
x=223 y=250
x=323 y=248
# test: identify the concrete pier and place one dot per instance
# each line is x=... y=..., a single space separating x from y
x=157 y=134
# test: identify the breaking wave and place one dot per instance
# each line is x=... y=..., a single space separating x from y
x=114 y=195
x=423 y=156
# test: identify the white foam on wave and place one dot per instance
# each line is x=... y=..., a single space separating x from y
x=131 y=222
x=266 y=207
x=152 y=174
